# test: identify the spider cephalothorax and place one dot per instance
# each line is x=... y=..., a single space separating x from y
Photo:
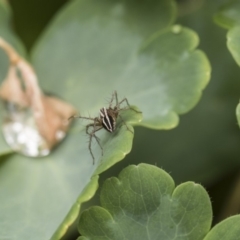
x=107 y=120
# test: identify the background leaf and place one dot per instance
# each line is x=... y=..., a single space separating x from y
x=225 y=230
x=142 y=204
x=238 y=114
x=229 y=17
x=205 y=146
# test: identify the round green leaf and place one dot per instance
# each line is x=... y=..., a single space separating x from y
x=226 y=230
x=238 y=113
x=95 y=47
x=228 y=14
x=229 y=17
x=205 y=145
x=143 y=204
x=233 y=38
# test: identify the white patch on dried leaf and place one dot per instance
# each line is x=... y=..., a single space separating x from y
x=21 y=87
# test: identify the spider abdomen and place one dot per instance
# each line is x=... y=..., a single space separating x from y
x=108 y=117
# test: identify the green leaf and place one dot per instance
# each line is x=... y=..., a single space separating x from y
x=207 y=135
x=143 y=203
x=90 y=49
x=85 y=195
x=63 y=175
x=238 y=114
x=27 y=207
x=229 y=17
x=226 y=230
x=58 y=178
x=233 y=37
x=228 y=14
x=95 y=47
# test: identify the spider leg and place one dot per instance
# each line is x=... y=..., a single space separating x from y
x=95 y=124
x=116 y=97
x=125 y=124
x=98 y=140
x=90 y=140
x=93 y=133
x=96 y=127
x=88 y=118
x=129 y=107
x=114 y=94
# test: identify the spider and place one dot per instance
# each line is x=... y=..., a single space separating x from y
x=107 y=119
